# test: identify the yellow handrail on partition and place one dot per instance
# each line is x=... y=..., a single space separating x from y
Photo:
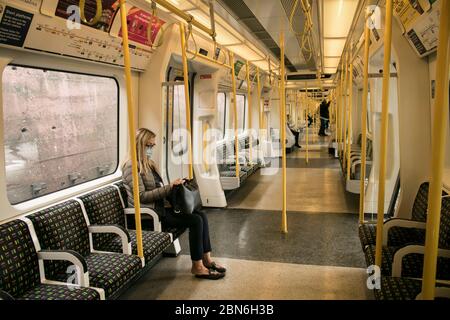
x=283 y=131
x=205 y=127
x=438 y=155
x=187 y=97
x=131 y=129
x=249 y=104
x=260 y=112
x=384 y=131
x=350 y=125
x=344 y=87
x=307 y=124
x=362 y=185
x=235 y=114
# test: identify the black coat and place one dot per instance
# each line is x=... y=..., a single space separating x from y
x=324 y=112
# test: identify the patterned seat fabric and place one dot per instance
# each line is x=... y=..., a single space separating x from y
x=400 y=236
x=63 y=227
x=104 y=206
x=20 y=270
x=57 y=292
x=412 y=264
x=153 y=242
x=398 y=289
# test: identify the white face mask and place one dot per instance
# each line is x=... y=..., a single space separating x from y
x=149 y=152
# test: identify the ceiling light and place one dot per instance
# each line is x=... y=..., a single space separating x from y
x=337 y=17
x=333 y=47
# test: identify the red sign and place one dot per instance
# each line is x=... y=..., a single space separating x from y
x=205 y=76
x=138 y=23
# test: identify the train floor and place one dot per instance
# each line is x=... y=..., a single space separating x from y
x=319 y=258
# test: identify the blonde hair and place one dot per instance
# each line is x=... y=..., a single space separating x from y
x=145 y=165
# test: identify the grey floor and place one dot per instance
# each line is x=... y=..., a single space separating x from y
x=319 y=258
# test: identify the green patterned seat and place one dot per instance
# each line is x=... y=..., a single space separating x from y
x=399 y=236
x=63 y=227
x=20 y=277
x=104 y=207
x=393 y=288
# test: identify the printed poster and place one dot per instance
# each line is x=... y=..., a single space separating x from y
x=109 y=9
x=138 y=23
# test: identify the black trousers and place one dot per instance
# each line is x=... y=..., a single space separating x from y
x=296 y=135
x=199 y=242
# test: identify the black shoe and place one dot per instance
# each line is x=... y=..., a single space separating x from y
x=214 y=267
x=212 y=275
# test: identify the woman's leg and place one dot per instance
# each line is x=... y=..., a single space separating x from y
x=195 y=225
x=206 y=240
x=207 y=260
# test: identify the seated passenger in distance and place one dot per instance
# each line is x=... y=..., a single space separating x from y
x=152 y=194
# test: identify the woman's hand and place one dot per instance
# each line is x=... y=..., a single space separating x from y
x=177 y=182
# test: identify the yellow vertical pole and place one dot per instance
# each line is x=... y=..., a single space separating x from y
x=384 y=130
x=235 y=113
x=350 y=125
x=362 y=185
x=249 y=94
x=307 y=126
x=344 y=86
x=336 y=117
x=131 y=129
x=186 y=97
x=438 y=155
x=342 y=114
x=258 y=86
x=283 y=131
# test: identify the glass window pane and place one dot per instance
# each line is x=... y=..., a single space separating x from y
x=60 y=130
x=179 y=127
x=240 y=104
x=221 y=112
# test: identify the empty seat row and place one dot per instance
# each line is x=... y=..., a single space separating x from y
x=40 y=252
x=226 y=159
x=403 y=249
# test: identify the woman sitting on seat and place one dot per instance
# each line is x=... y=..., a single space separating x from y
x=152 y=193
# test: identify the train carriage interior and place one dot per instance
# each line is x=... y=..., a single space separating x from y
x=312 y=138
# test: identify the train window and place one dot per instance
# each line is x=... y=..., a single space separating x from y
x=179 y=124
x=240 y=105
x=221 y=112
x=60 y=130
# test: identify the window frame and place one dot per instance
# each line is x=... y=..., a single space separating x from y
x=77 y=185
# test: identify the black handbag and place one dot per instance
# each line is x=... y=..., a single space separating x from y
x=185 y=198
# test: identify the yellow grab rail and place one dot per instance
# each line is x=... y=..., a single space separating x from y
x=283 y=131
x=249 y=104
x=131 y=129
x=307 y=124
x=344 y=87
x=98 y=13
x=187 y=17
x=187 y=97
x=438 y=154
x=260 y=111
x=362 y=185
x=235 y=114
x=384 y=131
x=350 y=125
